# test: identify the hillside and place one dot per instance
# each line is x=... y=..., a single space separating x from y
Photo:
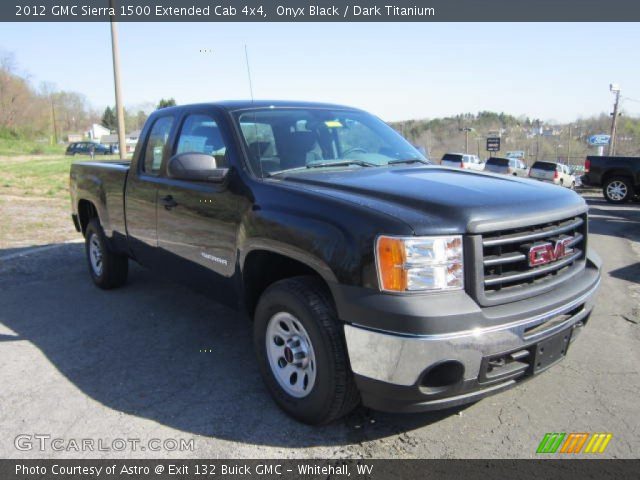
x=535 y=137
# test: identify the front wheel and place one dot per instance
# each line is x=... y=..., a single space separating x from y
x=107 y=268
x=617 y=190
x=301 y=351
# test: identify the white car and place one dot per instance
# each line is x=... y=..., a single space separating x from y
x=553 y=172
x=462 y=160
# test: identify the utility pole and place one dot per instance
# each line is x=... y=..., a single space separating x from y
x=53 y=118
x=466 y=131
x=569 y=147
x=116 y=80
x=537 y=139
x=614 y=88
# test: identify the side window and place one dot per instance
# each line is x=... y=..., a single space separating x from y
x=154 y=150
x=200 y=134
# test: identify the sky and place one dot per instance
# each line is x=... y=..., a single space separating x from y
x=552 y=71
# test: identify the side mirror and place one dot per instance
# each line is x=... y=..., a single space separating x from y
x=196 y=167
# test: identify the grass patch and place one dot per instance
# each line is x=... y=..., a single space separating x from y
x=13 y=146
x=39 y=177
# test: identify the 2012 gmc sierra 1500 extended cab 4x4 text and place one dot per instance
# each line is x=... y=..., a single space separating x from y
x=370 y=275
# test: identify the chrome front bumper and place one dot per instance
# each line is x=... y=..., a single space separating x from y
x=401 y=360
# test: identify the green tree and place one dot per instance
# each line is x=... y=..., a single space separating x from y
x=109 y=119
x=169 y=102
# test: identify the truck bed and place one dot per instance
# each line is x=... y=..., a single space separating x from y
x=102 y=183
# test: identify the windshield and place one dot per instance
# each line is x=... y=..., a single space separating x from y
x=284 y=139
x=452 y=157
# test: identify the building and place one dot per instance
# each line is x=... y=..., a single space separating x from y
x=97 y=131
x=130 y=139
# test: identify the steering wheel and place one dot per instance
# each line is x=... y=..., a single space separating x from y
x=353 y=150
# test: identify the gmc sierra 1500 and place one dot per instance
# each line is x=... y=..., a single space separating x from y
x=369 y=274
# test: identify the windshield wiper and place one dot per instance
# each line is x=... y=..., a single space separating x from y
x=408 y=160
x=338 y=163
x=341 y=163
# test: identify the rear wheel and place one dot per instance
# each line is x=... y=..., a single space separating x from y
x=107 y=268
x=617 y=190
x=302 y=353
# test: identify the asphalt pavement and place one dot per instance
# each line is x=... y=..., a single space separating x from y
x=154 y=360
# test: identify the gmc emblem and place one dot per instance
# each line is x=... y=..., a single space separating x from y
x=543 y=253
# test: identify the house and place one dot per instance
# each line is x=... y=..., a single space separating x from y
x=97 y=131
x=130 y=139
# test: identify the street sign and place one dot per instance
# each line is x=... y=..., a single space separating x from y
x=599 y=140
x=493 y=144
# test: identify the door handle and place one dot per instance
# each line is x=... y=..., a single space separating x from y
x=169 y=202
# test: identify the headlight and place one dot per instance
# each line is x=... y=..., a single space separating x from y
x=407 y=264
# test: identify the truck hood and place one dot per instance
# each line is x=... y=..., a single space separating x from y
x=439 y=200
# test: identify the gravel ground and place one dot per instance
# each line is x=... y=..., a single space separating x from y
x=155 y=360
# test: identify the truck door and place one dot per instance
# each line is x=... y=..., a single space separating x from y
x=198 y=221
x=142 y=191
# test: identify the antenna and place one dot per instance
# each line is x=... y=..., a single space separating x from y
x=246 y=57
x=255 y=125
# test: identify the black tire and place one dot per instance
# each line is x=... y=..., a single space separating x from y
x=625 y=189
x=114 y=266
x=334 y=392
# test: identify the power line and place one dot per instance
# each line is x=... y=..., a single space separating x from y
x=630 y=99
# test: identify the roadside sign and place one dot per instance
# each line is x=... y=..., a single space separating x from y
x=599 y=140
x=519 y=154
x=493 y=144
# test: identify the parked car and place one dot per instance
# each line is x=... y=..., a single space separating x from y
x=84 y=148
x=553 y=172
x=619 y=177
x=506 y=166
x=370 y=275
x=462 y=160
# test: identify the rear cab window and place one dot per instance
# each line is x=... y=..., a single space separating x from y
x=498 y=162
x=546 y=166
x=452 y=158
x=156 y=143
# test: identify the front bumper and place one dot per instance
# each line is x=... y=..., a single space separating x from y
x=411 y=372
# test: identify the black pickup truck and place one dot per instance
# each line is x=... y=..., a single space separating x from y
x=369 y=274
x=619 y=177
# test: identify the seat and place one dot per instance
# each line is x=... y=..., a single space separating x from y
x=293 y=149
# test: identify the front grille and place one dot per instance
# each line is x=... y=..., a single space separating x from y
x=505 y=256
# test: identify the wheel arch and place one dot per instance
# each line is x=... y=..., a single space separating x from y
x=609 y=174
x=264 y=265
x=87 y=211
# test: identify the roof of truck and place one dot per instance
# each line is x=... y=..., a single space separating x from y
x=233 y=105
